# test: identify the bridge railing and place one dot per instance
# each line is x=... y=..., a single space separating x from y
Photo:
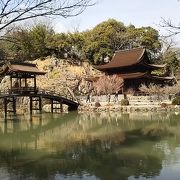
x=32 y=90
x=21 y=90
x=4 y=92
x=54 y=93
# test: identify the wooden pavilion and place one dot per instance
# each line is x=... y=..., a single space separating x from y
x=20 y=74
x=133 y=65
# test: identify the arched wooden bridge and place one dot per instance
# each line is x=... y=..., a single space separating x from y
x=20 y=74
x=36 y=96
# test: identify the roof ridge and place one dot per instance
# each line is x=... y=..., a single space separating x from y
x=22 y=63
x=133 y=49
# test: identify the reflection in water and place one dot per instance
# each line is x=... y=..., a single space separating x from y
x=90 y=146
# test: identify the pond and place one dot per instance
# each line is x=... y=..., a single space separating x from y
x=90 y=146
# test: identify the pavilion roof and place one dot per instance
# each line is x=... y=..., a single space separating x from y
x=130 y=57
x=28 y=68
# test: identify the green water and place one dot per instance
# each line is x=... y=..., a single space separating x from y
x=92 y=146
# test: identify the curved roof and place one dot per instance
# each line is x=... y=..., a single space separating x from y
x=124 y=58
x=161 y=77
x=135 y=75
x=20 y=68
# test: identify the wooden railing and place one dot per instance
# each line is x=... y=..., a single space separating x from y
x=54 y=93
x=32 y=90
x=22 y=90
x=4 y=92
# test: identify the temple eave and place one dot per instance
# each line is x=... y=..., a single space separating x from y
x=163 y=78
x=22 y=69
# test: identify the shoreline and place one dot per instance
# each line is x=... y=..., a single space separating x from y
x=138 y=106
x=129 y=108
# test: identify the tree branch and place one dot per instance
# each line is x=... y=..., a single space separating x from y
x=13 y=11
x=170 y=27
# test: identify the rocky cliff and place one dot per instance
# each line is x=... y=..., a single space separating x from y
x=61 y=74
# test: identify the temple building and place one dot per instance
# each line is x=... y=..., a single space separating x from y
x=134 y=67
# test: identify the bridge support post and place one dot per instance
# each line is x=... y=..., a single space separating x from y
x=52 y=107
x=40 y=104
x=61 y=107
x=14 y=105
x=5 y=107
x=56 y=106
x=12 y=109
x=37 y=105
x=31 y=104
x=72 y=108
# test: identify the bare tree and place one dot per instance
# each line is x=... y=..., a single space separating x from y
x=172 y=89
x=168 y=43
x=13 y=11
x=108 y=84
x=152 y=89
x=171 y=27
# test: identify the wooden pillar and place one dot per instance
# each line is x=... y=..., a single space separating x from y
x=34 y=82
x=52 y=105
x=20 y=82
x=26 y=85
x=31 y=105
x=14 y=105
x=61 y=107
x=40 y=104
x=10 y=83
x=5 y=107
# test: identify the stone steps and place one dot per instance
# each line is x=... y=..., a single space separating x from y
x=146 y=102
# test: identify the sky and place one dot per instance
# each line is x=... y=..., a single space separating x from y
x=137 y=12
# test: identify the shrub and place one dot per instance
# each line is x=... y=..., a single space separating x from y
x=97 y=104
x=124 y=102
x=176 y=100
x=164 y=105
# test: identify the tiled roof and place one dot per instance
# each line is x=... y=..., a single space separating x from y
x=124 y=58
x=132 y=75
x=21 y=68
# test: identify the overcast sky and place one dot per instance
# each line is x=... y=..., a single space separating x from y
x=137 y=12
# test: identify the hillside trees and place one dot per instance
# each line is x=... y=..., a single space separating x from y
x=111 y=35
x=76 y=41
x=104 y=39
x=41 y=40
x=13 y=12
x=27 y=43
x=145 y=36
x=173 y=63
x=59 y=43
x=148 y=37
x=97 y=45
x=40 y=36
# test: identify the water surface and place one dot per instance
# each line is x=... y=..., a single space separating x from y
x=92 y=146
